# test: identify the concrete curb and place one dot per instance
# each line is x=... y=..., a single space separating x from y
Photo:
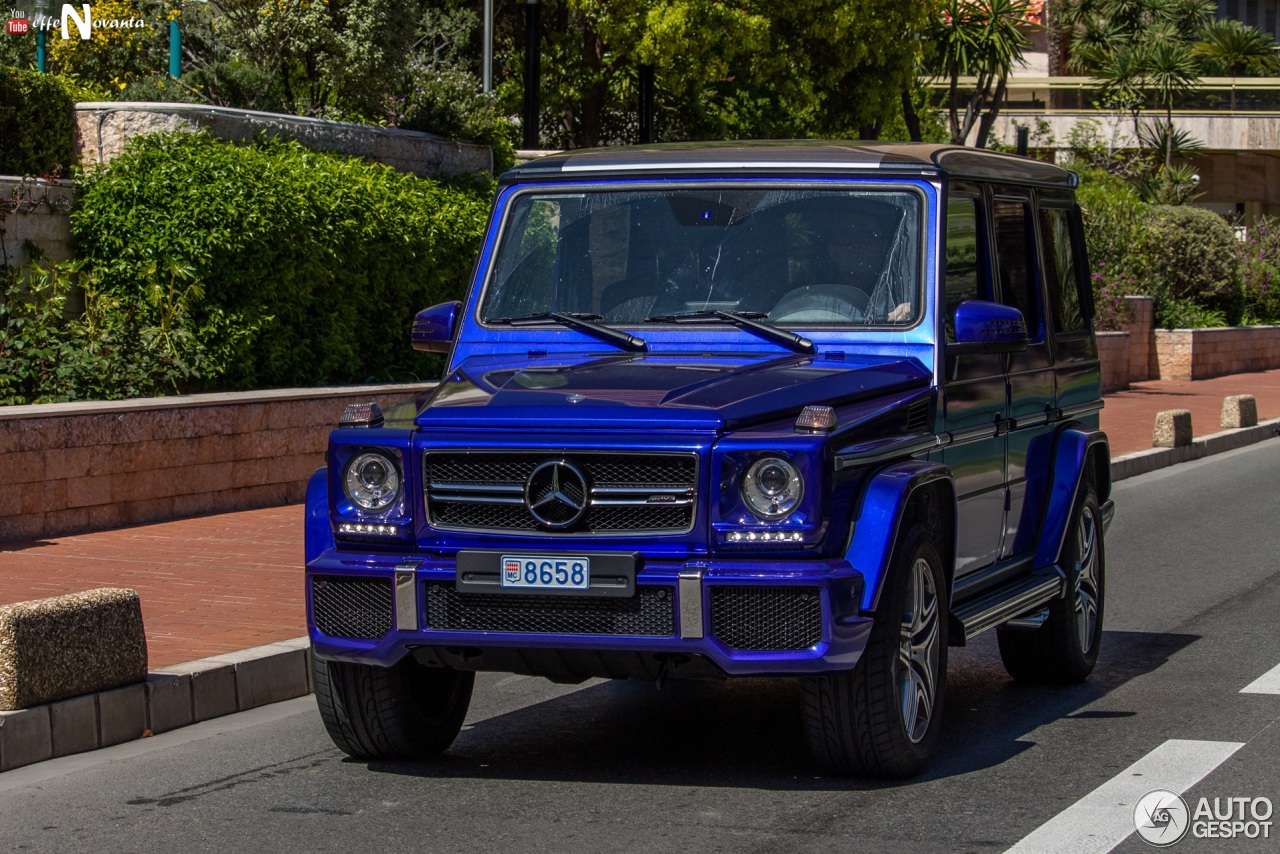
x=195 y=691
x=172 y=697
x=1132 y=465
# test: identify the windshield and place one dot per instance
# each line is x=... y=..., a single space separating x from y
x=792 y=256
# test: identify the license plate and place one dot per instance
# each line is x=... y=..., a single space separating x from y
x=546 y=572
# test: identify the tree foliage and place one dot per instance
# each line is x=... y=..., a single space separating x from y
x=1149 y=53
x=981 y=39
x=724 y=68
x=36 y=123
x=1236 y=49
x=112 y=56
x=322 y=55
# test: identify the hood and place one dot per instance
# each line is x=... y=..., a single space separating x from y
x=647 y=392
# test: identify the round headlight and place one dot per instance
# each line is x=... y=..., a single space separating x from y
x=372 y=481
x=772 y=488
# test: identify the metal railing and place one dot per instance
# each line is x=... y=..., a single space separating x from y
x=1084 y=94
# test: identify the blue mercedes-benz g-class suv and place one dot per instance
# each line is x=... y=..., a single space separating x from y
x=814 y=410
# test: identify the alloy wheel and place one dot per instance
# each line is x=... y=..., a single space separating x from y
x=1086 y=598
x=918 y=652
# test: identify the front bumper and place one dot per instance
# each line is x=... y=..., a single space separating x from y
x=719 y=611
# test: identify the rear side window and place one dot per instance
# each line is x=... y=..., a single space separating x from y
x=1013 y=256
x=1061 y=276
x=962 y=257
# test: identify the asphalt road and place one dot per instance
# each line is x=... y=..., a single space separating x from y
x=1193 y=594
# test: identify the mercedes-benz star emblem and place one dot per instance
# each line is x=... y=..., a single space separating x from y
x=556 y=494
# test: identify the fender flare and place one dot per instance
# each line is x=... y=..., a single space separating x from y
x=875 y=529
x=1073 y=446
x=319 y=529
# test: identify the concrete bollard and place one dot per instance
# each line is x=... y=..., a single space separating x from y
x=52 y=649
x=1173 y=429
x=1239 y=410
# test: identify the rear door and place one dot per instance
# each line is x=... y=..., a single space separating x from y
x=1032 y=391
x=1069 y=297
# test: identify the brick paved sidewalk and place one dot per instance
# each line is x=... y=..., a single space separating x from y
x=222 y=583
x=208 y=585
x=1130 y=415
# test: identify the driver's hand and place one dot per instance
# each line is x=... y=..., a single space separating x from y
x=901 y=313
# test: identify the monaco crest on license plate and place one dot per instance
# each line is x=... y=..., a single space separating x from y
x=546 y=572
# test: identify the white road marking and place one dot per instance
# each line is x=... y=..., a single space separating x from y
x=1267 y=683
x=1103 y=819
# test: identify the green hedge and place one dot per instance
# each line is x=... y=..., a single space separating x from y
x=318 y=261
x=36 y=121
x=1190 y=262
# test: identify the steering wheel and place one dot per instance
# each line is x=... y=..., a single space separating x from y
x=824 y=303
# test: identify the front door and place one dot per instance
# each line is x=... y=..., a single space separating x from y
x=973 y=391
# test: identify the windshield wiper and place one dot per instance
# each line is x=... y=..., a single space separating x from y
x=581 y=322
x=748 y=320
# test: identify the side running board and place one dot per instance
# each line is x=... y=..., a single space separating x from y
x=1012 y=600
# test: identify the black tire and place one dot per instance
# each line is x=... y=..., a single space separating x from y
x=858 y=722
x=1065 y=648
x=406 y=711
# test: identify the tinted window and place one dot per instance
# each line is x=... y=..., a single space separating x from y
x=1060 y=274
x=962 y=254
x=1013 y=258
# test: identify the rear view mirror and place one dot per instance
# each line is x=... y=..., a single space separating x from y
x=988 y=327
x=433 y=328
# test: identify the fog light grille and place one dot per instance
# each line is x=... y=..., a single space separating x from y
x=766 y=618
x=347 y=607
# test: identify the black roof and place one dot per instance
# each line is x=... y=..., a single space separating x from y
x=790 y=157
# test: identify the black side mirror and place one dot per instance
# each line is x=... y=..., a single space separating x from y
x=434 y=328
x=988 y=327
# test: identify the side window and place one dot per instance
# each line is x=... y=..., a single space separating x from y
x=1014 y=251
x=962 y=271
x=1060 y=275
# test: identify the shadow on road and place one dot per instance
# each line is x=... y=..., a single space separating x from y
x=748 y=733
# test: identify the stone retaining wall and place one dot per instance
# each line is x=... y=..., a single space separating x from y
x=72 y=467
x=1143 y=364
x=1197 y=354
x=1113 y=354
x=103 y=128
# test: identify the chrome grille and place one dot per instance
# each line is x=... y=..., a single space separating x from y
x=766 y=618
x=650 y=613
x=629 y=493
x=346 y=607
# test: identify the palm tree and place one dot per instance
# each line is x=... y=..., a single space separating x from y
x=1238 y=50
x=979 y=38
x=1170 y=70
